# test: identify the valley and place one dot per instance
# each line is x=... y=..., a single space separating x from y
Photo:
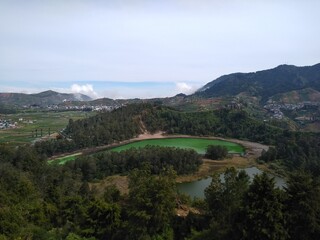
x=159 y=120
x=92 y=168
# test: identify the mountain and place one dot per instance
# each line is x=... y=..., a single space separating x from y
x=40 y=99
x=264 y=84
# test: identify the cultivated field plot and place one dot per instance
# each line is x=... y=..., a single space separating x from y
x=197 y=144
x=30 y=122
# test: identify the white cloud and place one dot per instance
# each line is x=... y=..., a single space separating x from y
x=185 y=88
x=86 y=89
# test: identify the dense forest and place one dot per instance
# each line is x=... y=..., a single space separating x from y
x=41 y=201
x=238 y=209
x=48 y=201
x=296 y=150
x=100 y=165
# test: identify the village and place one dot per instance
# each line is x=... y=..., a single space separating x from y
x=275 y=108
x=84 y=107
x=5 y=124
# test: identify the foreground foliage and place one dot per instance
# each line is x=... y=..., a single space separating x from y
x=258 y=210
x=41 y=201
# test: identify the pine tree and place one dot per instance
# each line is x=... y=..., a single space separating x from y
x=303 y=206
x=263 y=212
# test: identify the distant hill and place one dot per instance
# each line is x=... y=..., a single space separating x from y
x=304 y=95
x=264 y=84
x=40 y=99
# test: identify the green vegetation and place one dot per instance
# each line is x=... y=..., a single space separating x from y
x=216 y=152
x=132 y=120
x=31 y=121
x=64 y=159
x=264 y=84
x=101 y=165
x=296 y=150
x=238 y=209
x=224 y=123
x=152 y=203
x=198 y=144
x=52 y=201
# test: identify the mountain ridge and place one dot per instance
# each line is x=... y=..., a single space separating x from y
x=264 y=83
x=48 y=97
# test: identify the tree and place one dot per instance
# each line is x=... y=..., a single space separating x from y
x=152 y=202
x=103 y=219
x=263 y=210
x=303 y=206
x=224 y=201
x=216 y=152
x=269 y=155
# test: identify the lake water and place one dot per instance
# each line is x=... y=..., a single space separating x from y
x=196 y=188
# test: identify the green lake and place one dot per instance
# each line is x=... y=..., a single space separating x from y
x=197 y=144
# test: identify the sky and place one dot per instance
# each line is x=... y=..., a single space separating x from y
x=147 y=48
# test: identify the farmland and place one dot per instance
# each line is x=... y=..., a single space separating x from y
x=30 y=123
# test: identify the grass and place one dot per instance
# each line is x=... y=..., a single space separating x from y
x=197 y=144
x=64 y=159
x=29 y=121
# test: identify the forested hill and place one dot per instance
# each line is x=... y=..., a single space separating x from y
x=127 y=122
x=264 y=84
x=40 y=99
x=130 y=121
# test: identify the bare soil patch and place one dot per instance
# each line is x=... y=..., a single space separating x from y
x=121 y=182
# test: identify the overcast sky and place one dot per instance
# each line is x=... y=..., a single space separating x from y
x=128 y=48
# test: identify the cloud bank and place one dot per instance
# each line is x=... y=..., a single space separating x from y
x=86 y=89
x=185 y=88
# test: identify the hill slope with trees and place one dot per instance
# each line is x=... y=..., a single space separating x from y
x=264 y=84
x=43 y=201
x=40 y=99
x=130 y=121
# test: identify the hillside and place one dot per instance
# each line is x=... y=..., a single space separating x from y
x=264 y=84
x=82 y=199
x=40 y=99
x=303 y=95
x=130 y=121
